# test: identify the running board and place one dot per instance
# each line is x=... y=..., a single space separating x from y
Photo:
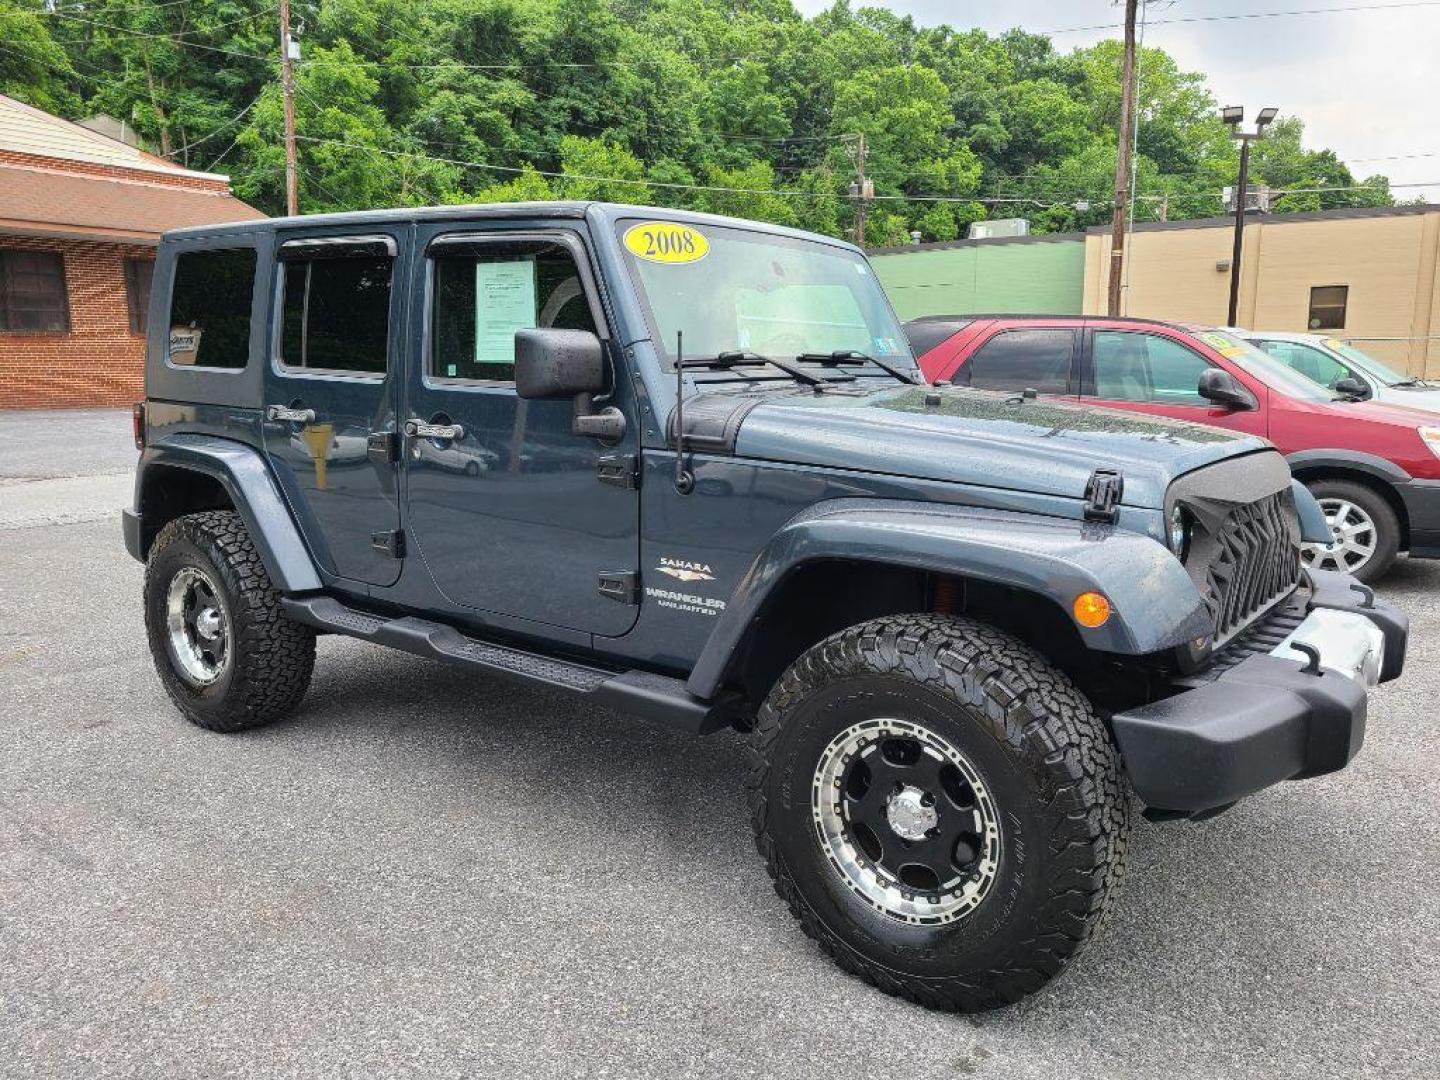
x=643 y=693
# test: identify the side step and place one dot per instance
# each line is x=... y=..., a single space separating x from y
x=654 y=697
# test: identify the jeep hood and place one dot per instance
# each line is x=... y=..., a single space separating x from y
x=1039 y=445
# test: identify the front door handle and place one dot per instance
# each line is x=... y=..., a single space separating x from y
x=419 y=429
x=294 y=416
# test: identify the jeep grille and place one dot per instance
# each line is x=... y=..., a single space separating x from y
x=1245 y=559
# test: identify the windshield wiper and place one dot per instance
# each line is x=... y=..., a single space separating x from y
x=839 y=356
x=733 y=358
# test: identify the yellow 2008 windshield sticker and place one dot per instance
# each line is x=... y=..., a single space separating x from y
x=666 y=242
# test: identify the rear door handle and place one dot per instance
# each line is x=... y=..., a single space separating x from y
x=419 y=429
x=294 y=416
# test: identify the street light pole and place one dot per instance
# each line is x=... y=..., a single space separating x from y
x=1233 y=115
x=1241 y=190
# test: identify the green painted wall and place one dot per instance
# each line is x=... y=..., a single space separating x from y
x=1046 y=277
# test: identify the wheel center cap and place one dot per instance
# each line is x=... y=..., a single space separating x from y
x=909 y=816
x=207 y=624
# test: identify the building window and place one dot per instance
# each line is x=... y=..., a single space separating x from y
x=210 y=308
x=1327 y=307
x=137 y=291
x=32 y=292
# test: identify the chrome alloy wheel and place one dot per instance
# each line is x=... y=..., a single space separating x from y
x=1353 y=538
x=906 y=821
x=198 y=625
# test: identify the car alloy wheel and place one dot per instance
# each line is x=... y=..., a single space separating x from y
x=906 y=821
x=1353 y=538
x=198 y=626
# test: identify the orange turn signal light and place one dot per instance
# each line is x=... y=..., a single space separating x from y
x=1091 y=610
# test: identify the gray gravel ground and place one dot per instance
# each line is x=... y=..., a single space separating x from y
x=425 y=874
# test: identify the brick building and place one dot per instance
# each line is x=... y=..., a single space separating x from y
x=80 y=215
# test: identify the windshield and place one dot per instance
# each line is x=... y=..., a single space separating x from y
x=731 y=289
x=1273 y=373
x=1387 y=375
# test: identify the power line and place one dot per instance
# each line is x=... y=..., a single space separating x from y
x=180 y=38
x=1253 y=15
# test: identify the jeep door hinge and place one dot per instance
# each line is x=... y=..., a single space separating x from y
x=619 y=470
x=390 y=543
x=1103 y=493
x=622 y=586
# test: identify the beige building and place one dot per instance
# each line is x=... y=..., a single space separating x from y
x=1363 y=275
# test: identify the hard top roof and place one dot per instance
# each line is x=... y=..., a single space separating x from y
x=606 y=212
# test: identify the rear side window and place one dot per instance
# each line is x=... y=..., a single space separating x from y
x=484 y=293
x=1021 y=360
x=1146 y=367
x=210 y=308
x=336 y=314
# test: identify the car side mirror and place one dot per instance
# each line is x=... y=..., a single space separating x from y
x=552 y=364
x=558 y=363
x=1351 y=387
x=1222 y=388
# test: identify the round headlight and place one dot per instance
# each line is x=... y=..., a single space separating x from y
x=1179 y=531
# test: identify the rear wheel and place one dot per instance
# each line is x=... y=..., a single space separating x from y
x=225 y=651
x=940 y=807
x=1364 y=530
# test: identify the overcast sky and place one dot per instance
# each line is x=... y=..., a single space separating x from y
x=1364 y=82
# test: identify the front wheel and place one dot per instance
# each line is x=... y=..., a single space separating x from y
x=940 y=807
x=1364 y=530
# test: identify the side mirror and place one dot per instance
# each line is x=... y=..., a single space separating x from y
x=1351 y=387
x=558 y=363
x=1224 y=389
x=567 y=364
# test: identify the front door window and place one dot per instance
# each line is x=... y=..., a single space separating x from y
x=1146 y=368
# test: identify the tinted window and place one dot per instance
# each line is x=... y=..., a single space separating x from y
x=210 y=308
x=1311 y=362
x=32 y=292
x=1146 y=367
x=1020 y=360
x=337 y=314
x=483 y=294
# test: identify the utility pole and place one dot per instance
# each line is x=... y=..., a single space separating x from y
x=287 y=85
x=1233 y=115
x=862 y=190
x=1122 y=160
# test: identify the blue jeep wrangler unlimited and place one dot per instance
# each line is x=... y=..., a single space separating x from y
x=684 y=466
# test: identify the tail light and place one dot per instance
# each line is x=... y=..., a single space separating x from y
x=137 y=421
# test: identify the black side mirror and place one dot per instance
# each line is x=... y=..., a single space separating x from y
x=1351 y=387
x=567 y=364
x=558 y=363
x=1224 y=389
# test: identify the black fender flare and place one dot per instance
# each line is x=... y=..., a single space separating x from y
x=1155 y=603
x=1351 y=460
x=242 y=471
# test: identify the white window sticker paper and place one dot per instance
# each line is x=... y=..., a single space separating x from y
x=504 y=303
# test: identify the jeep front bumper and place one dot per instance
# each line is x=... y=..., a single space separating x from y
x=1275 y=715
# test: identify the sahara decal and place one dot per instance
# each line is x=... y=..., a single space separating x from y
x=684 y=570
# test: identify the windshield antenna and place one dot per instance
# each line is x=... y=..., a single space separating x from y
x=684 y=478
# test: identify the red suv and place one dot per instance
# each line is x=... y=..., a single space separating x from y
x=1375 y=469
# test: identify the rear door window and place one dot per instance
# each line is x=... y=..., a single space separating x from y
x=1036 y=359
x=1131 y=366
x=336 y=315
x=210 y=308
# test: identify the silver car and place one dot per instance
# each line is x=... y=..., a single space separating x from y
x=1338 y=364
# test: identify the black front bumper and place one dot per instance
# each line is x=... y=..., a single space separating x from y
x=1258 y=721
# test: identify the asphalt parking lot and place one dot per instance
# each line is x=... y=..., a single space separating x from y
x=425 y=874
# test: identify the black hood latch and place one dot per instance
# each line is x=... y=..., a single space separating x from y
x=1103 y=492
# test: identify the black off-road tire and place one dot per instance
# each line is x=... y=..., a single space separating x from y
x=1064 y=809
x=1379 y=510
x=271 y=657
